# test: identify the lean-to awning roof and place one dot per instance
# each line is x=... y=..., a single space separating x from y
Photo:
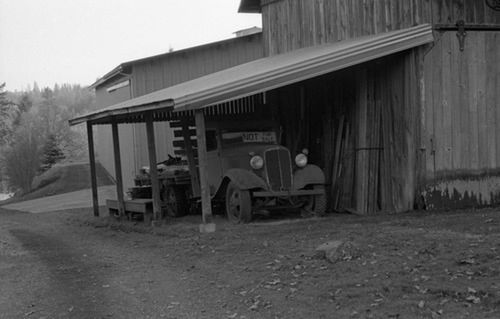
x=265 y=74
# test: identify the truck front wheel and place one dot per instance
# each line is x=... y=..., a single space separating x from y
x=316 y=204
x=238 y=204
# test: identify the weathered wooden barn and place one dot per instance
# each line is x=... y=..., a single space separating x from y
x=139 y=77
x=397 y=100
x=423 y=125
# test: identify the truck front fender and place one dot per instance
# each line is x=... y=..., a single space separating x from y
x=244 y=179
x=309 y=175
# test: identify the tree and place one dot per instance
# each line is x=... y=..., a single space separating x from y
x=51 y=153
x=38 y=130
x=8 y=112
x=24 y=105
x=21 y=158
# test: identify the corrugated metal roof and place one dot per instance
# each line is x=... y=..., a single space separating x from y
x=268 y=73
x=125 y=66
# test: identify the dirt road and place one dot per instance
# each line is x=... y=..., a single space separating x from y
x=70 y=265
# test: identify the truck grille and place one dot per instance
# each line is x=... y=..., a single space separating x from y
x=278 y=169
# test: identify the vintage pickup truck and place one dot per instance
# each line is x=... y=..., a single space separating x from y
x=248 y=172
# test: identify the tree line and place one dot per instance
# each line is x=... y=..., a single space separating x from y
x=34 y=131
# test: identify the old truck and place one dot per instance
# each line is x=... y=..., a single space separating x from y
x=248 y=172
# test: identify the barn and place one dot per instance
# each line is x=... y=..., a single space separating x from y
x=397 y=100
x=139 y=77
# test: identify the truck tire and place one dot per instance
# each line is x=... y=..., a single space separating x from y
x=316 y=204
x=174 y=201
x=238 y=204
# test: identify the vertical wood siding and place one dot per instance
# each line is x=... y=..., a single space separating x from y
x=455 y=143
x=463 y=120
x=362 y=126
x=293 y=24
x=471 y=11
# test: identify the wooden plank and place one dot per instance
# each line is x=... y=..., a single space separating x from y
x=421 y=140
x=183 y=143
x=387 y=165
x=93 y=175
x=470 y=45
x=398 y=136
x=374 y=154
x=454 y=80
x=179 y=133
x=426 y=11
x=153 y=171
x=178 y=124
x=479 y=10
x=412 y=119
x=361 y=145
x=457 y=8
x=429 y=112
x=481 y=69
x=447 y=91
x=206 y=203
x=437 y=72
x=492 y=78
x=336 y=164
x=118 y=169
x=464 y=162
x=495 y=38
x=195 y=179
x=469 y=11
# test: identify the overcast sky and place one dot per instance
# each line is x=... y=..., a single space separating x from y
x=77 y=41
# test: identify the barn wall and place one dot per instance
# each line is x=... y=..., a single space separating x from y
x=463 y=120
x=361 y=126
x=177 y=67
x=104 y=139
x=470 y=11
x=457 y=138
x=292 y=24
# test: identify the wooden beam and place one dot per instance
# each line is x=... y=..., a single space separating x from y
x=118 y=169
x=155 y=184
x=195 y=179
x=93 y=175
x=206 y=203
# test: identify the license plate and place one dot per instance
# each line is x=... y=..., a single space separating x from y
x=259 y=137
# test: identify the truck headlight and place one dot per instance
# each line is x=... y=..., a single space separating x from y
x=301 y=160
x=256 y=162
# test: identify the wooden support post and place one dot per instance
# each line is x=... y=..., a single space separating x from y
x=118 y=169
x=93 y=175
x=206 y=203
x=155 y=184
x=195 y=180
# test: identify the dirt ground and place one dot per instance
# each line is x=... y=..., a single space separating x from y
x=421 y=265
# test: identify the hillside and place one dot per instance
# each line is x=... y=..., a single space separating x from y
x=63 y=178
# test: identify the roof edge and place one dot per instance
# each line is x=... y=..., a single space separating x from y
x=249 y=6
x=120 y=68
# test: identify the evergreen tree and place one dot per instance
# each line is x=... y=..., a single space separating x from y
x=51 y=153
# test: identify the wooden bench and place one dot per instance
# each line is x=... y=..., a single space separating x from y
x=143 y=206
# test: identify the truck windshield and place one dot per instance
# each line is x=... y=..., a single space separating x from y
x=268 y=137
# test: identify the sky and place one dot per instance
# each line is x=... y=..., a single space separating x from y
x=78 y=41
